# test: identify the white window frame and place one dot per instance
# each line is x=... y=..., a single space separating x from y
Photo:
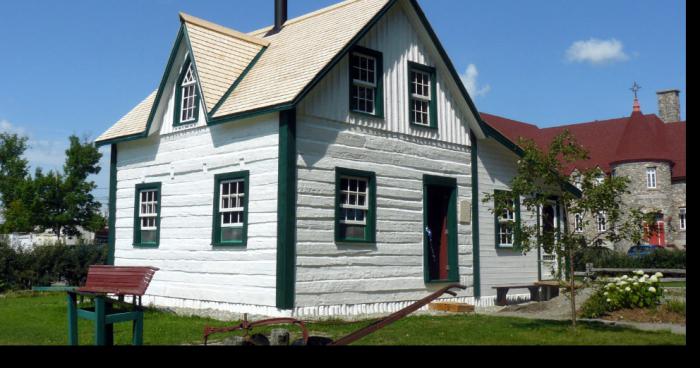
x=604 y=223
x=148 y=204
x=578 y=223
x=507 y=218
x=651 y=178
x=682 y=218
x=368 y=85
x=189 y=85
x=357 y=194
x=238 y=197
x=423 y=99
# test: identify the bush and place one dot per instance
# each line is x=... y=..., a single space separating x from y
x=22 y=269
x=638 y=291
x=602 y=257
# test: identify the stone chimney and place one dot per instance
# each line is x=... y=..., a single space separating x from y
x=280 y=15
x=669 y=105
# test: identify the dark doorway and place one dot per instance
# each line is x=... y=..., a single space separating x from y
x=440 y=229
x=437 y=233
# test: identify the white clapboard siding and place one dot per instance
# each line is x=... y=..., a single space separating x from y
x=190 y=268
x=401 y=39
x=497 y=166
x=392 y=270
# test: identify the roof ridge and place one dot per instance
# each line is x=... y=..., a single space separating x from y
x=305 y=16
x=186 y=18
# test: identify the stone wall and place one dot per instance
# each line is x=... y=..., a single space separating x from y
x=667 y=197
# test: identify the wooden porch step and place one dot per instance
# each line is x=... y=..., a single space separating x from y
x=451 y=307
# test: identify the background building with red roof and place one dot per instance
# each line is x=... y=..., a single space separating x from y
x=648 y=149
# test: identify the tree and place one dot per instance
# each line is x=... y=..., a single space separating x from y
x=14 y=185
x=541 y=176
x=61 y=202
x=65 y=201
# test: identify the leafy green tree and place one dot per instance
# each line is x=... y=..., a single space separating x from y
x=541 y=176
x=14 y=184
x=64 y=201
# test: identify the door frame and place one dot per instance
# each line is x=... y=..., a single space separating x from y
x=557 y=224
x=452 y=251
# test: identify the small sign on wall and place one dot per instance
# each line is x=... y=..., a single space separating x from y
x=465 y=211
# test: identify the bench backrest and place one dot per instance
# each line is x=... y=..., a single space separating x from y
x=118 y=280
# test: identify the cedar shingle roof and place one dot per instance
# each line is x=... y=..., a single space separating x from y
x=289 y=60
x=635 y=138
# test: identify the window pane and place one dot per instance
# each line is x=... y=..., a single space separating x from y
x=148 y=236
x=232 y=234
x=352 y=232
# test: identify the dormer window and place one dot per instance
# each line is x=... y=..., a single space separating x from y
x=187 y=96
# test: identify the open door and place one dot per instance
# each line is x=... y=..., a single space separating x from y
x=440 y=232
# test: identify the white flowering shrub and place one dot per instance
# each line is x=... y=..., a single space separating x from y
x=637 y=291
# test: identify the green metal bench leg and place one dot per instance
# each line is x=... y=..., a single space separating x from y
x=72 y=319
x=137 y=330
x=100 y=321
x=109 y=327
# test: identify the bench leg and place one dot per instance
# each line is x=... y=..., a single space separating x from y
x=501 y=299
x=535 y=294
x=72 y=319
x=109 y=327
x=100 y=321
x=137 y=330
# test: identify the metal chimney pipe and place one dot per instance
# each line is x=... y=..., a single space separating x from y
x=280 y=14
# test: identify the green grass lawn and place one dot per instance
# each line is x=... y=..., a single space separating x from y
x=40 y=319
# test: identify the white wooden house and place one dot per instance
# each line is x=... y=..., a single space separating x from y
x=297 y=169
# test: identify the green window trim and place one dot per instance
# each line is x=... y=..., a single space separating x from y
x=177 y=114
x=453 y=235
x=379 y=76
x=516 y=230
x=216 y=215
x=137 y=218
x=433 y=95
x=371 y=217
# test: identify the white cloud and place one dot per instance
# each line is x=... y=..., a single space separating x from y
x=7 y=127
x=596 y=52
x=49 y=155
x=471 y=83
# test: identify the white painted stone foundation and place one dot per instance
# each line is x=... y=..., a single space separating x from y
x=346 y=312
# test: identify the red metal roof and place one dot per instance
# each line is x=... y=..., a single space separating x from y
x=635 y=138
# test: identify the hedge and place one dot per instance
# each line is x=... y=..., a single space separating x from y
x=602 y=257
x=21 y=269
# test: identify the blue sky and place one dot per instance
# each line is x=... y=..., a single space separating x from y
x=77 y=66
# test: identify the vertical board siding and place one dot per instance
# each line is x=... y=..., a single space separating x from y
x=190 y=267
x=330 y=273
x=496 y=168
x=397 y=38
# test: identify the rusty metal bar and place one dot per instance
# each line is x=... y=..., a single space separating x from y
x=249 y=326
x=349 y=339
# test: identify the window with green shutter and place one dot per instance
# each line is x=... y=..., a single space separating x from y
x=230 y=217
x=147 y=202
x=355 y=206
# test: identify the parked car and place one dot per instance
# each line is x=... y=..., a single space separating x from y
x=642 y=250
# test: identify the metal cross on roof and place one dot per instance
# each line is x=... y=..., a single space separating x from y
x=635 y=89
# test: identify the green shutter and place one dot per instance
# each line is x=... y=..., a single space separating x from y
x=137 y=223
x=216 y=224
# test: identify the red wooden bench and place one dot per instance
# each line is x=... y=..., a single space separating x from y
x=101 y=282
